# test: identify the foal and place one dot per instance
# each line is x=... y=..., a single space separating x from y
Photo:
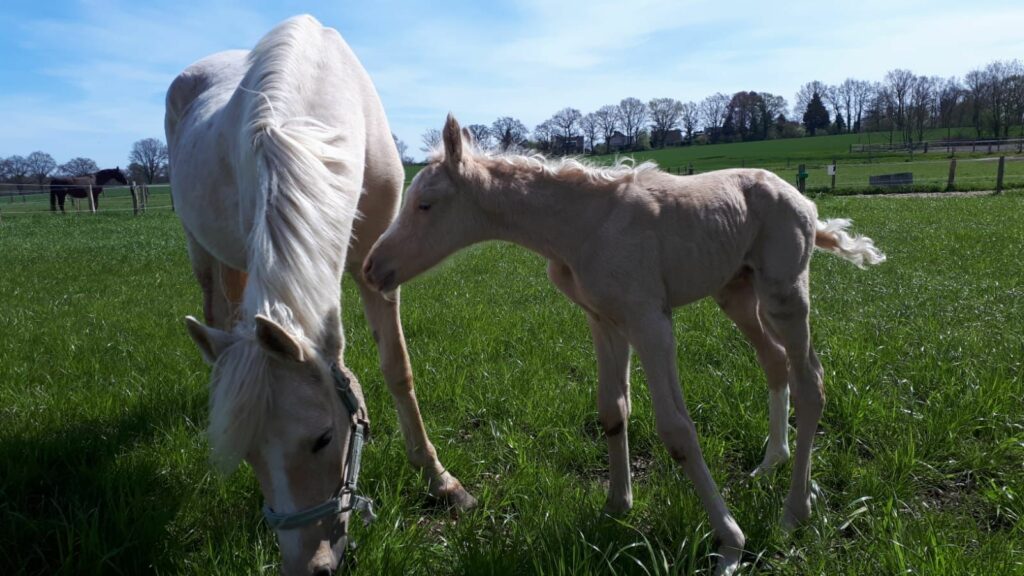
x=628 y=245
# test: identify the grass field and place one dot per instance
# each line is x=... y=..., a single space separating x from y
x=975 y=171
x=103 y=464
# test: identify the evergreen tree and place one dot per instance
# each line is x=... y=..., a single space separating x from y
x=816 y=115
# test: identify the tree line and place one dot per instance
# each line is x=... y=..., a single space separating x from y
x=989 y=99
x=147 y=162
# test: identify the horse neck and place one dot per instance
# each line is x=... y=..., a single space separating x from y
x=548 y=214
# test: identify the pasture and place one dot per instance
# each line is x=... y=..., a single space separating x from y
x=103 y=463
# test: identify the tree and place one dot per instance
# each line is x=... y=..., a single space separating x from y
x=403 y=148
x=566 y=124
x=665 y=115
x=543 y=134
x=79 y=167
x=40 y=165
x=816 y=115
x=771 y=107
x=862 y=91
x=831 y=97
x=431 y=140
x=481 y=135
x=632 y=115
x=951 y=97
x=690 y=117
x=508 y=132
x=804 y=95
x=151 y=155
x=16 y=169
x=591 y=128
x=899 y=83
x=712 y=111
x=608 y=122
x=921 y=104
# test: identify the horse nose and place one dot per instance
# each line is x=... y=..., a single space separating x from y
x=322 y=570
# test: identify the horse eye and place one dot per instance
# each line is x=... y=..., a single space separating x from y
x=322 y=441
x=424 y=206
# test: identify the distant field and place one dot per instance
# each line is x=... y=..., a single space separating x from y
x=975 y=171
x=103 y=465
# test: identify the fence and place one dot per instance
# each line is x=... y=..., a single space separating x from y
x=18 y=199
x=945 y=146
x=926 y=175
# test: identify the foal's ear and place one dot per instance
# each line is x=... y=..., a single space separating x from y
x=210 y=341
x=467 y=138
x=276 y=340
x=452 y=141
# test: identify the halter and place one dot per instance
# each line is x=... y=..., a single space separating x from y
x=338 y=503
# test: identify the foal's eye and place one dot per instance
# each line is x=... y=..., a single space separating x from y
x=321 y=442
x=424 y=206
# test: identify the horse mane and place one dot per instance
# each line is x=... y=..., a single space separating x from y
x=299 y=235
x=570 y=169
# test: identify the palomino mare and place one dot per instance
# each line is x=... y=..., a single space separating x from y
x=283 y=169
x=79 y=186
x=628 y=245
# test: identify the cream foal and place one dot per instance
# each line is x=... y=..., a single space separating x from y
x=628 y=245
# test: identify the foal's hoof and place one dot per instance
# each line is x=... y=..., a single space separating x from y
x=449 y=490
x=769 y=463
x=797 y=511
x=617 y=508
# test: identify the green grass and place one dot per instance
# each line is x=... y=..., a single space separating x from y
x=103 y=465
x=975 y=171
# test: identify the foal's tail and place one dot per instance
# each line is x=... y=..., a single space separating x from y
x=831 y=236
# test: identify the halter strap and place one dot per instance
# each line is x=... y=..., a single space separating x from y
x=338 y=503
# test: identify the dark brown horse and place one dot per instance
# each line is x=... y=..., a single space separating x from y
x=79 y=186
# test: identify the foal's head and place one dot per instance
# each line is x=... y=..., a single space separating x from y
x=273 y=402
x=440 y=215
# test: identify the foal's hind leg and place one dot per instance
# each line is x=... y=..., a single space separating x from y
x=739 y=301
x=787 y=308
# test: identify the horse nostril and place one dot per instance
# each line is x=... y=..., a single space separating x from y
x=367 y=266
x=322 y=571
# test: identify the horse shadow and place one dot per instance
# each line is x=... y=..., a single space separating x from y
x=79 y=500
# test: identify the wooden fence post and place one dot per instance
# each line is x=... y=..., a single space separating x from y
x=999 y=174
x=92 y=201
x=135 y=199
x=952 y=175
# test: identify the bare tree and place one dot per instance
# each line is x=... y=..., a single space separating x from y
x=690 y=118
x=899 y=83
x=403 y=149
x=79 y=167
x=566 y=124
x=862 y=92
x=16 y=169
x=921 y=104
x=40 y=165
x=590 y=125
x=431 y=140
x=665 y=115
x=712 y=112
x=543 y=134
x=151 y=155
x=608 y=121
x=951 y=98
x=771 y=108
x=481 y=135
x=832 y=98
x=508 y=132
x=804 y=95
x=632 y=116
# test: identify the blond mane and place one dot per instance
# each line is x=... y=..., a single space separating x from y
x=572 y=169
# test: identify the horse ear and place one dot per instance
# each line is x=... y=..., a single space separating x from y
x=276 y=340
x=452 y=141
x=210 y=341
x=467 y=138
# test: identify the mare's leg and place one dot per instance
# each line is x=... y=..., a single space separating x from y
x=786 y=305
x=652 y=337
x=383 y=184
x=739 y=301
x=222 y=286
x=53 y=201
x=613 y=410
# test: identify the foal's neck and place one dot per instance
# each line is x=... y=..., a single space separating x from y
x=546 y=213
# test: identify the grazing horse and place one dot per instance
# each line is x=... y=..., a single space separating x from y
x=274 y=152
x=627 y=245
x=79 y=186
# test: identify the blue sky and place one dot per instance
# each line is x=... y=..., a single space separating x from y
x=87 y=77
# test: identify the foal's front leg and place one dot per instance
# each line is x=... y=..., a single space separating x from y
x=613 y=410
x=652 y=336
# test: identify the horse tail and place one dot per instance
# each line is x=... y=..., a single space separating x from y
x=832 y=236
